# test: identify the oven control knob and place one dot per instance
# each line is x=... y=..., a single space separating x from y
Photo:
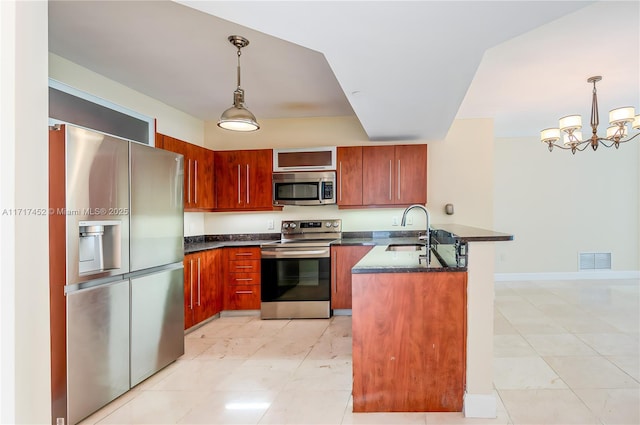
x=292 y=225
x=285 y=225
x=328 y=224
x=336 y=224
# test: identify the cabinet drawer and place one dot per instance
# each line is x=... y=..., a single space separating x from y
x=248 y=253
x=243 y=297
x=244 y=266
x=243 y=279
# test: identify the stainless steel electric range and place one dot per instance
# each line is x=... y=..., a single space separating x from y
x=296 y=270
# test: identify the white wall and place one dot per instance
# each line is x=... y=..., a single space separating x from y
x=558 y=204
x=24 y=289
x=169 y=120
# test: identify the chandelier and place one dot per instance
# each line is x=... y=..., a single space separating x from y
x=572 y=136
x=238 y=118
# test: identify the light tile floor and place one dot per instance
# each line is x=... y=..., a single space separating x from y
x=565 y=352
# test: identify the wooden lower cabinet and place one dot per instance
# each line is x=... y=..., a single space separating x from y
x=202 y=286
x=242 y=297
x=343 y=258
x=409 y=341
x=242 y=278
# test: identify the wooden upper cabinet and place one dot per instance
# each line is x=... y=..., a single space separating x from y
x=394 y=175
x=243 y=179
x=198 y=172
x=349 y=174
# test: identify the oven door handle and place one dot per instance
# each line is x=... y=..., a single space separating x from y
x=316 y=253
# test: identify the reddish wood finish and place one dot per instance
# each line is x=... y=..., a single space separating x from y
x=243 y=180
x=217 y=279
x=349 y=175
x=242 y=278
x=394 y=175
x=378 y=170
x=409 y=342
x=199 y=186
x=202 y=286
x=412 y=174
x=57 y=273
x=242 y=297
x=343 y=258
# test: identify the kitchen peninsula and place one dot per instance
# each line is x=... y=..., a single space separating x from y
x=412 y=322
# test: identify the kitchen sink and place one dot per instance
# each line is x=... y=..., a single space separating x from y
x=405 y=247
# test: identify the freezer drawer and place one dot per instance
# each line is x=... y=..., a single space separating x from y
x=157 y=322
x=97 y=347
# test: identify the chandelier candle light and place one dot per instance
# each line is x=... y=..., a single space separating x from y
x=238 y=118
x=570 y=125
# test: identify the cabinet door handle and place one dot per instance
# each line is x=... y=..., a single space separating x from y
x=191 y=284
x=390 y=180
x=189 y=181
x=398 y=180
x=248 y=185
x=195 y=181
x=239 y=199
x=334 y=273
x=243 y=254
x=340 y=180
x=244 y=267
x=244 y=279
x=198 y=281
x=244 y=292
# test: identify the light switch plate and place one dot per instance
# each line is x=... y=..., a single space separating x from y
x=269 y=224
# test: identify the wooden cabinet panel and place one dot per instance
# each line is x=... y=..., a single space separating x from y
x=199 y=176
x=243 y=297
x=411 y=172
x=343 y=258
x=378 y=169
x=409 y=341
x=349 y=175
x=243 y=179
x=202 y=286
x=242 y=278
x=394 y=175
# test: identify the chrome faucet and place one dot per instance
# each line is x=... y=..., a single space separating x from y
x=427 y=236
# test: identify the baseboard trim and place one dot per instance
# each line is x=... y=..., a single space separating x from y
x=479 y=406
x=624 y=274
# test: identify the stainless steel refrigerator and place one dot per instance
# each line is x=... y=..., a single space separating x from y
x=123 y=276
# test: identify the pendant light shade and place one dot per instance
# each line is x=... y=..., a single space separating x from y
x=237 y=117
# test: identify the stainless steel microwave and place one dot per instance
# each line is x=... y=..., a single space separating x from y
x=304 y=188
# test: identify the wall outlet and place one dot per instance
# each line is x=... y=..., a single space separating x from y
x=269 y=224
x=394 y=221
x=409 y=220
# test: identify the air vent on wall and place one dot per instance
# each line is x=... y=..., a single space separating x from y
x=594 y=261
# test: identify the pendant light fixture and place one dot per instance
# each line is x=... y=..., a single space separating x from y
x=570 y=125
x=238 y=118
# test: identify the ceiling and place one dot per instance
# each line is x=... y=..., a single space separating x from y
x=405 y=69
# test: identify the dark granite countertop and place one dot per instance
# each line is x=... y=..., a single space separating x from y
x=378 y=238
x=473 y=234
x=203 y=243
x=379 y=260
